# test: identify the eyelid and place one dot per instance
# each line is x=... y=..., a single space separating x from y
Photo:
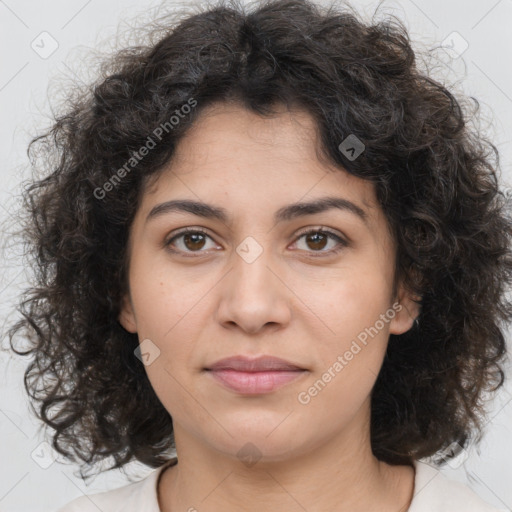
x=183 y=231
x=342 y=240
x=322 y=229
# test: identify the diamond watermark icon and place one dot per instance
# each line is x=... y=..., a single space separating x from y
x=43 y=455
x=249 y=250
x=454 y=44
x=454 y=455
x=45 y=45
x=249 y=454
x=351 y=147
x=147 y=352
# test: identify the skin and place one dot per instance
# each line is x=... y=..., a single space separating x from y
x=286 y=303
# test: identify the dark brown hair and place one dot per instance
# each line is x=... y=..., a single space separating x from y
x=435 y=178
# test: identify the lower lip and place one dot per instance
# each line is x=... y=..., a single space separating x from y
x=255 y=382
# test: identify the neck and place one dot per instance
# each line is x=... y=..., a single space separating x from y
x=341 y=474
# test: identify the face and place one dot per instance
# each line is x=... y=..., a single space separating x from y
x=313 y=286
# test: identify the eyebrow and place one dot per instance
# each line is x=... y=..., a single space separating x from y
x=285 y=213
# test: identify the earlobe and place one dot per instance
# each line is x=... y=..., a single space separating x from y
x=126 y=315
x=407 y=310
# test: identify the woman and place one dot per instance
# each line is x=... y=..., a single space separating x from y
x=272 y=263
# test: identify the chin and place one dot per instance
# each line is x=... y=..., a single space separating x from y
x=252 y=445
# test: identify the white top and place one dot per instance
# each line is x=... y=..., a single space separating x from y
x=433 y=492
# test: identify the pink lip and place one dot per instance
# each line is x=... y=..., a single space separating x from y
x=253 y=376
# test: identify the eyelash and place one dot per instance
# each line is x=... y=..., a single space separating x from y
x=187 y=231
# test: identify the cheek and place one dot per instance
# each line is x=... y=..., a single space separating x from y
x=166 y=311
x=351 y=358
x=171 y=374
x=352 y=349
x=170 y=389
x=165 y=299
x=348 y=301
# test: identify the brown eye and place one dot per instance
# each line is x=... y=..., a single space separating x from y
x=316 y=240
x=188 y=241
x=193 y=241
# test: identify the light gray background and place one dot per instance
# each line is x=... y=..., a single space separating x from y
x=484 y=71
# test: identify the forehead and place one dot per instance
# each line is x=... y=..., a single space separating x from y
x=232 y=148
x=253 y=168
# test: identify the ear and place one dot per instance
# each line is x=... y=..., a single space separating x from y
x=407 y=307
x=127 y=316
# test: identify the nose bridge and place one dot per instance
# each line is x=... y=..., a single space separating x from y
x=256 y=275
x=253 y=295
x=251 y=273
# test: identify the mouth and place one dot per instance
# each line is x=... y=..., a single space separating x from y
x=254 y=376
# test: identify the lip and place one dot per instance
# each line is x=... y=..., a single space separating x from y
x=258 y=364
x=252 y=376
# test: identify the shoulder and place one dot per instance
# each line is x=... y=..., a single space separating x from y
x=433 y=491
x=137 y=496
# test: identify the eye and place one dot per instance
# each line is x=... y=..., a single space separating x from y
x=191 y=240
x=318 y=239
x=194 y=240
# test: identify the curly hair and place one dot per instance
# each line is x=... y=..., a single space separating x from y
x=435 y=177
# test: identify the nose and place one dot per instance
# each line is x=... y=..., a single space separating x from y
x=254 y=296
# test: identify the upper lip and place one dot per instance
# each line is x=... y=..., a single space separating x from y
x=248 y=364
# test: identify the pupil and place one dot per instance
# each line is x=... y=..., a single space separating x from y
x=315 y=237
x=195 y=238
